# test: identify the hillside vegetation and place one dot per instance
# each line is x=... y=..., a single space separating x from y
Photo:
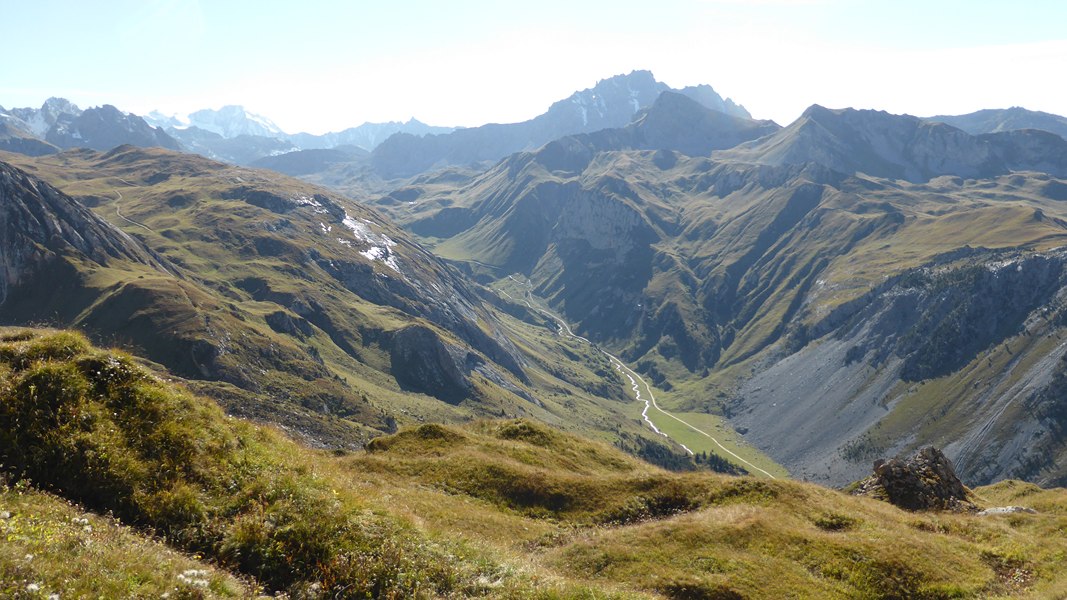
x=495 y=508
x=775 y=284
x=294 y=306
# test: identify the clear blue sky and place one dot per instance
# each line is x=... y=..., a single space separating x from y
x=320 y=65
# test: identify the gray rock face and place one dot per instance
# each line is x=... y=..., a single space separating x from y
x=40 y=120
x=422 y=362
x=105 y=128
x=925 y=481
x=812 y=409
x=39 y=224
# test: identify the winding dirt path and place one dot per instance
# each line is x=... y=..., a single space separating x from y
x=636 y=382
x=118 y=210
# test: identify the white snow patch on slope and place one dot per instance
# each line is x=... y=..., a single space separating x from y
x=313 y=203
x=381 y=245
x=579 y=101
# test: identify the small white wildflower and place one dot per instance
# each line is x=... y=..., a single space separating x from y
x=28 y=557
x=87 y=529
x=53 y=596
x=33 y=588
x=5 y=514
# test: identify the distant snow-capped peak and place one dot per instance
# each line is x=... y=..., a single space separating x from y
x=232 y=121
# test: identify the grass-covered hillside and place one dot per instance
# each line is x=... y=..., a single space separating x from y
x=295 y=306
x=816 y=307
x=213 y=506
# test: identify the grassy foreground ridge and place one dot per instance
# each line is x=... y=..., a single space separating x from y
x=205 y=505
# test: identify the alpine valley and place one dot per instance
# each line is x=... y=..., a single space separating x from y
x=626 y=348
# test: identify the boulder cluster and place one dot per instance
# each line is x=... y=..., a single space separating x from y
x=925 y=481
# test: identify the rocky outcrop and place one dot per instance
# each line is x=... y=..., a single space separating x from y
x=1006 y=510
x=39 y=224
x=283 y=322
x=422 y=362
x=925 y=481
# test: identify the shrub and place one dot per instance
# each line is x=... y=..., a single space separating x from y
x=96 y=428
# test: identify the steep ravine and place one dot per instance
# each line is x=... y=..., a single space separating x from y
x=964 y=355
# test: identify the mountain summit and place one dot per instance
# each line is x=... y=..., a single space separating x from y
x=611 y=103
x=899 y=147
x=995 y=120
x=231 y=121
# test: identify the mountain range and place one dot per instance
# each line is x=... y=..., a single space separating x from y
x=725 y=274
x=231 y=133
x=446 y=317
x=611 y=103
x=710 y=250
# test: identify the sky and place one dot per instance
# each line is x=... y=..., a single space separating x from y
x=321 y=65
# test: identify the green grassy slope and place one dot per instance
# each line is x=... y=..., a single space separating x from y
x=273 y=311
x=495 y=509
x=704 y=274
x=53 y=547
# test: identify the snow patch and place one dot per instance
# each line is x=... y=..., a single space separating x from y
x=585 y=113
x=382 y=254
x=313 y=203
x=381 y=245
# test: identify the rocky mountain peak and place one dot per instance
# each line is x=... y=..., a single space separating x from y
x=104 y=128
x=58 y=106
x=612 y=102
x=39 y=120
x=708 y=97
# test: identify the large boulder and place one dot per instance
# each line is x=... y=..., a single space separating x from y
x=925 y=481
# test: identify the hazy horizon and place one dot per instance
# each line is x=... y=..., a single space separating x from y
x=319 y=67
